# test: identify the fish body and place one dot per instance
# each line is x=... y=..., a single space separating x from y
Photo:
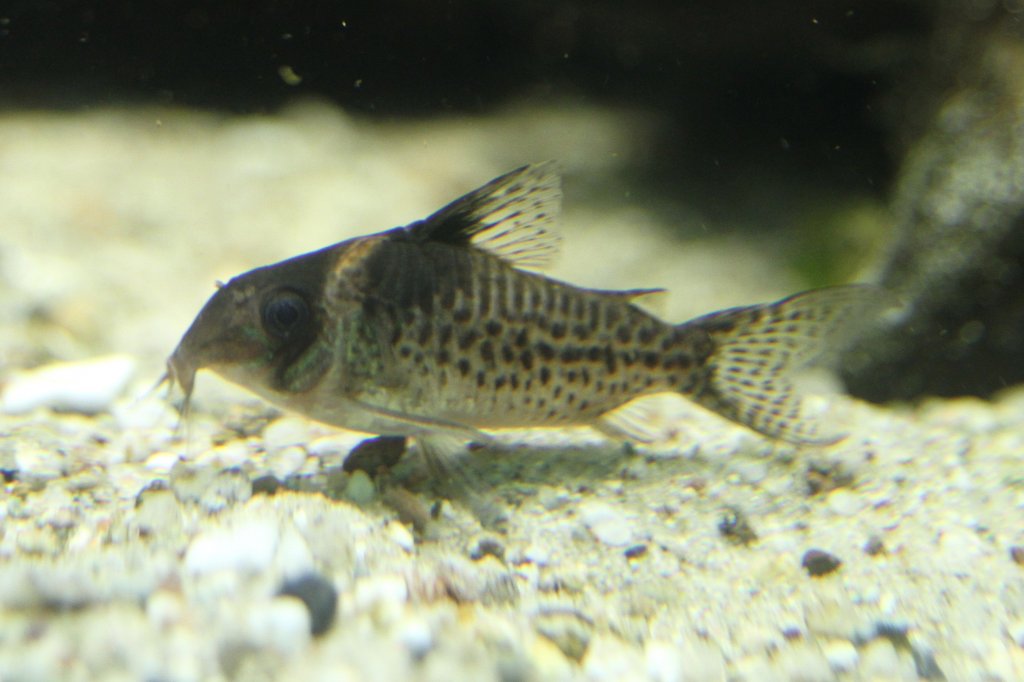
x=438 y=327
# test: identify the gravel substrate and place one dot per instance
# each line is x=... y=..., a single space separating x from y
x=235 y=546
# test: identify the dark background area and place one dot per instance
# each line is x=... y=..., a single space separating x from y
x=792 y=88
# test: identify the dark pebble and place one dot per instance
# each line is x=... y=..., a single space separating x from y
x=874 y=546
x=1017 y=554
x=374 y=454
x=488 y=547
x=635 y=552
x=266 y=485
x=319 y=596
x=735 y=527
x=818 y=562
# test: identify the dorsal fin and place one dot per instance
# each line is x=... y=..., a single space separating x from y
x=511 y=217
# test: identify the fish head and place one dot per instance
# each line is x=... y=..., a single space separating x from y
x=258 y=329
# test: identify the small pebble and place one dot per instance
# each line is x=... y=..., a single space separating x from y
x=842 y=502
x=606 y=524
x=841 y=655
x=281 y=625
x=818 y=562
x=285 y=432
x=87 y=386
x=635 y=552
x=1017 y=554
x=610 y=658
x=247 y=547
x=319 y=596
x=1016 y=632
x=804 y=662
x=735 y=527
x=416 y=636
x=360 y=489
x=286 y=461
x=488 y=546
x=881 y=661
x=401 y=535
x=874 y=546
x=266 y=485
x=374 y=454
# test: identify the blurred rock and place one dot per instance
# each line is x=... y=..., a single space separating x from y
x=88 y=386
x=957 y=263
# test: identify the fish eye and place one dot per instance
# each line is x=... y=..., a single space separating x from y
x=285 y=313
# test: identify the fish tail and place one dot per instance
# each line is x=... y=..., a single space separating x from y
x=756 y=350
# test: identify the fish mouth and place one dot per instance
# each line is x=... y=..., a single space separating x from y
x=182 y=373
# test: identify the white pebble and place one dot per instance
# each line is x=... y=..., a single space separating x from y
x=607 y=525
x=382 y=589
x=881 y=661
x=281 y=625
x=164 y=608
x=246 y=547
x=804 y=663
x=664 y=661
x=1016 y=631
x=401 y=535
x=842 y=502
x=294 y=557
x=335 y=444
x=38 y=463
x=841 y=655
x=284 y=432
x=161 y=462
x=416 y=636
x=88 y=386
x=610 y=658
x=536 y=554
x=286 y=461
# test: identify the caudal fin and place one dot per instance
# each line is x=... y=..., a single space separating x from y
x=758 y=348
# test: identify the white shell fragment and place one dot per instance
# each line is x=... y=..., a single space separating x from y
x=87 y=386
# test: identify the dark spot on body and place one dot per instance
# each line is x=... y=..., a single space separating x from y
x=571 y=354
x=445 y=334
x=493 y=327
x=584 y=404
x=581 y=332
x=624 y=334
x=593 y=353
x=463 y=366
x=418 y=358
x=558 y=330
x=425 y=332
x=468 y=338
x=462 y=315
x=570 y=376
x=444 y=356
x=645 y=335
x=522 y=338
x=513 y=381
x=545 y=351
x=526 y=357
x=499 y=382
x=611 y=315
x=487 y=352
x=545 y=376
x=507 y=354
x=609 y=360
x=405 y=351
x=481 y=379
x=650 y=360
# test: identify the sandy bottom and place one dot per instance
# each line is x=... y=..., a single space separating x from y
x=134 y=549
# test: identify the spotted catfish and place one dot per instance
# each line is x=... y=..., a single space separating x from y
x=440 y=327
